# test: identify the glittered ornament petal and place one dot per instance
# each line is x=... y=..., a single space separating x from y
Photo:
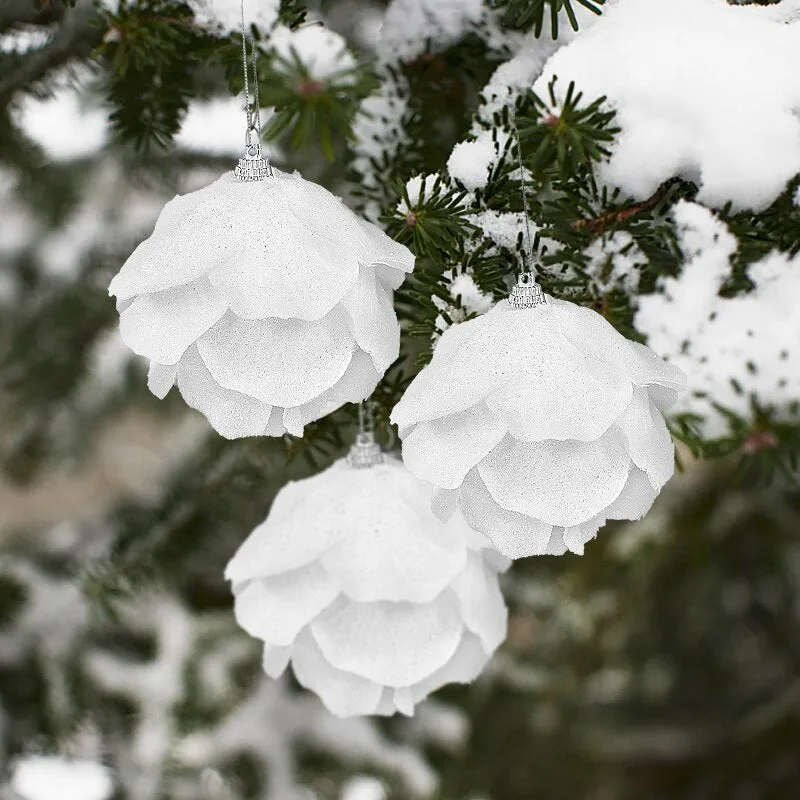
x=232 y=414
x=560 y=483
x=161 y=378
x=442 y=451
x=161 y=326
x=566 y=396
x=462 y=358
x=317 y=209
x=280 y=362
x=664 y=381
x=464 y=667
x=397 y=644
x=556 y=546
x=482 y=604
x=399 y=557
x=390 y=278
x=404 y=701
x=595 y=336
x=635 y=499
x=276 y=659
x=293 y=273
x=343 y=693
x=577 y=536
x=649 y=442
x=190 y=241
x=357 y=384
x=455 y=337
x=275 y=609
x=513 y=534
x=375 y=247
x=372 y=320
x=275 y=426
x=444 y=503
x=273 y=547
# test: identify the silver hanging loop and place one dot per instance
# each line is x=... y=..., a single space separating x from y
x=366 y=452
x=253 y=166
x=527 y=293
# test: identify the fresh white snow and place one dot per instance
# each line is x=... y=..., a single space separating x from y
x=703 y=89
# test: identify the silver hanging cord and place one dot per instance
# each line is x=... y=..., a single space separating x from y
x=366 y=452
x=253 y=167
x=527 y=293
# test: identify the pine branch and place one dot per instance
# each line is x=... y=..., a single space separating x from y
x=79 y=32
x=28 y=12
x=603 y=221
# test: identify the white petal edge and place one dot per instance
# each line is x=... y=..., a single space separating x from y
x=275 y=609
x=232 y=414
x=395 y=644
x=444 y=450
x=162 y=326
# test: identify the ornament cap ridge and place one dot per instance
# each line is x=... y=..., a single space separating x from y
x=527 y=293
x=366 y=452
x=253 y=166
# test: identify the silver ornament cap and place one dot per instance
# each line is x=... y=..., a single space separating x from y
x=366 y=452
x=527 y=293
x=253 y=166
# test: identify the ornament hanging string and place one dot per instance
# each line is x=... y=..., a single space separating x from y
x=253 y=167
x=529 y=251
x=527 y=293
x=253 y=118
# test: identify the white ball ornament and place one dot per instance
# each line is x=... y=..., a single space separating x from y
x=540 y=421
x=265 y=299
x=373 y=600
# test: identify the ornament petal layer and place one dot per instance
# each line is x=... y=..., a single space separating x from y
x=161 y=378
x=649 y=442
x=535 y=478
x=403 y=558
x=513 y=534
x=343 y=693
x=232 y=414
x=464 y=667
x=397 y=644
x=318 y=209
x=162 y=326
x=577 y=536
x=280 y=362
x=275 y=610
x=567 y=396
x=196 y=235
x=357 y=384
x=372 y=320
x=482 y=604
x=635 y=499
x=443 y=451
x=294 y=274
x=276 y=659
x=595 y=336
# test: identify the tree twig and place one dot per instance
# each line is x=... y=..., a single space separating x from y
x=600 y=223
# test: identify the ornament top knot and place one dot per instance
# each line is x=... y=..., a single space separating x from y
x=527 y=293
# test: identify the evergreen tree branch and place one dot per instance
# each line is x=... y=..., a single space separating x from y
x=603 y=221
x=79 y=32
